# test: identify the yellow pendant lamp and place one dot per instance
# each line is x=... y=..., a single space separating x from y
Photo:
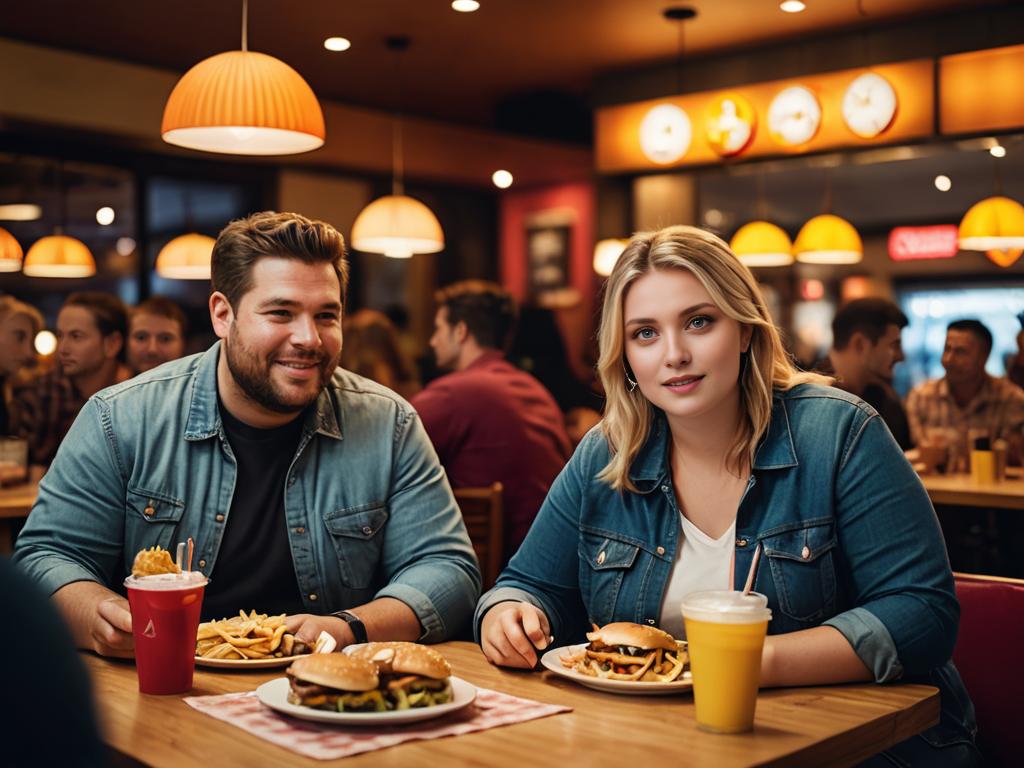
x=186 y=257
x=59 y=256
x=606 y=254
x=243 y=103
x=397 y=225
x=995 y=223
x=10 y=252
x=762 y=244
x=828 y=239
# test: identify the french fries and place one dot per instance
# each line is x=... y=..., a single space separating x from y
x=247 y=636
x=658 y=666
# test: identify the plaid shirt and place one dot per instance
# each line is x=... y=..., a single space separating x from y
x=43 y=412
x=997 y=409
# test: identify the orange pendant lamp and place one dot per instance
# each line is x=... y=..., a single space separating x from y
x=10 y=252
x=243 y=103
x=58 y=255
x=186 y=257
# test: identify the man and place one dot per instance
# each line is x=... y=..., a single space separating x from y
x=967 y=398
x=865 y=348
x=91 y=329
x=156 y=334
x=488 y=420
x=308 y=490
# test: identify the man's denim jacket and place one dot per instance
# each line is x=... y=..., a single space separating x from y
x=369 y=510
x=849 y=538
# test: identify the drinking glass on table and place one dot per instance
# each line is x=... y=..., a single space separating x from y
x=13 y=460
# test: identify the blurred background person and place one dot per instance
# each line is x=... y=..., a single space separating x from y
x=539 y=349
x=19 y=324
x=372 y=349
x=865 y=349
x=490 y=421
x=156 y=334
x=1015 y=362
x=967 y=399
x=91 y=329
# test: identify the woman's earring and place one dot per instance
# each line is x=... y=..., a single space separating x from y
x=630 y=382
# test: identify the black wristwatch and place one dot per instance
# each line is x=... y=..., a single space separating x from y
x=355 y=624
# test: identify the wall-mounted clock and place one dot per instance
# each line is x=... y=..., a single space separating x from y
x=869 y=105
x=794 y=116
x=665 y=134
x=729 y=123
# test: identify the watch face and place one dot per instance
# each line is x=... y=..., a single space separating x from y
x=869 y=105
x=665 y=134
x=794 y=116
x=729 y=124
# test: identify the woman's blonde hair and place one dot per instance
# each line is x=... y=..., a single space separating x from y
x=11 y=307
x=628 y=414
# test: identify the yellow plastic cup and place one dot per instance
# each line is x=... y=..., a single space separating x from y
x=725 y=631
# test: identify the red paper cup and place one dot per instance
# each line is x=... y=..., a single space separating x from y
x=165 y=618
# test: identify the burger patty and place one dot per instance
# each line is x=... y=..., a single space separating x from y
x=395 y=692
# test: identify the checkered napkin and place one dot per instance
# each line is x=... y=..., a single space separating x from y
x=330 y=742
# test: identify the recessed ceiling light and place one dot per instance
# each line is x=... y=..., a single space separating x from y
x=502 y=179
x=792 y=6
x=997 y=150
x=465 y=6
x=943 y=183
x=105 y=216
x=337 y=44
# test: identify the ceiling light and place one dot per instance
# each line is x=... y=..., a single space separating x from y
x=792 y=6
x=337 y=44
x=606 y=254
x=397 y=226
x=45 y=343
x=502 y=179
x=996 y=223
x=125 y=246
x=828 y=239
x=10 y=252
x=762 y=244
x=186 y=257
x=465 y=6
x=997 y=150
x=20 y=212
x=243 y=103
x=943 y=183
x=105 y=216
x=59 y=256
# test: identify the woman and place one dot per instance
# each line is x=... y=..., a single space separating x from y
x=713 y=445
x=19 y=324
x=372 y=349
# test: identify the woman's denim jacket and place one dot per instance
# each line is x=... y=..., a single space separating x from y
x=849 y=535
x=368 y=509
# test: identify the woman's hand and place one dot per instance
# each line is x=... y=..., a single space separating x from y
x=511 y=633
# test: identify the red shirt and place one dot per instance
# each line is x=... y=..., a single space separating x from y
x=492 y=422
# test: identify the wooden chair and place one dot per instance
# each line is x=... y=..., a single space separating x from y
x=484 y=515
x=987 y=655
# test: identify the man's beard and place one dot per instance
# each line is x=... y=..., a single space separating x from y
x=255 y=380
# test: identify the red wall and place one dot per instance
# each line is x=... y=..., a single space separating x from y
x=577 y=323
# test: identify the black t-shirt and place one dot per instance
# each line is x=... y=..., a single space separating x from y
x=254 y=568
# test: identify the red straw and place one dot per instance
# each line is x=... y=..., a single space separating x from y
x=752 y=573
x=191 y=546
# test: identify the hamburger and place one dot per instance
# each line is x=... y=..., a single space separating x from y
x=335 y=682
x=627 y=651
x=411 y=675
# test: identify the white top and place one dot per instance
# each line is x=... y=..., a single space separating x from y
x=702 y=563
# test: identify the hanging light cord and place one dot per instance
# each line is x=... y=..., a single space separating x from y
x=398 y=168
x=245 y=25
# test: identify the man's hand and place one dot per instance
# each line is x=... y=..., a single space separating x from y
x=99 y=619
x=306 y=627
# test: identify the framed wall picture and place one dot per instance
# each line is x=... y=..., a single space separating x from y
x=548 y=247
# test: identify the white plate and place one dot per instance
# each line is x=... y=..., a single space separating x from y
x=274 y=694
x=551 y=662
x=268 y=663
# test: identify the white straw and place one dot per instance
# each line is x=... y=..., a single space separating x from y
x=180 y=555
x=752 y=573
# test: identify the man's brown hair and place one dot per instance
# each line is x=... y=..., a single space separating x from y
x=487 y=309
x=243 y=242
x=161 y=306
x=106 y=309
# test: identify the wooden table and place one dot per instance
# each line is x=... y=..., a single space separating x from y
x=15 y=503
x=960 y=490
x=834 y=725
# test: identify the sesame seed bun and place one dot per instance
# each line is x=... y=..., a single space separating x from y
x=636 y=635
x=335 y=670
x=405 y=659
